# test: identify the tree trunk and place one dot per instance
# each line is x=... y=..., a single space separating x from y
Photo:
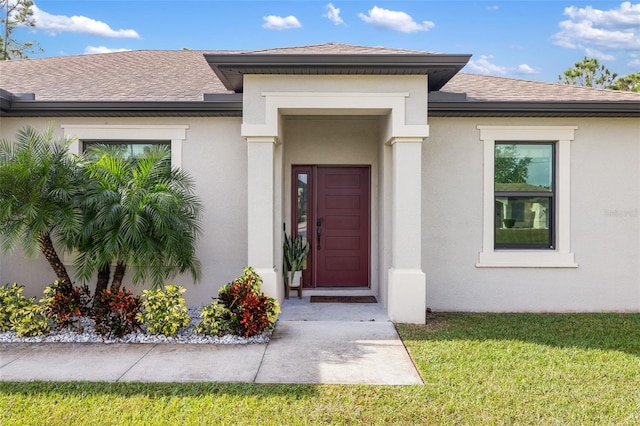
x=49 y=252
x=103 y=279
x=118 y=275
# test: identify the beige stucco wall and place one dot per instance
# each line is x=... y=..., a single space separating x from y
x=605 y=209
x=605 y=222
x=215 y=155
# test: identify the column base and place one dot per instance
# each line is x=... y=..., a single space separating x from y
x=407 y=296
x=272 y=284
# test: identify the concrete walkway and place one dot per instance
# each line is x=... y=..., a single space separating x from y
x=312 y=343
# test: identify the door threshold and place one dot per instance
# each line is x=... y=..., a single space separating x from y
x=338 y=291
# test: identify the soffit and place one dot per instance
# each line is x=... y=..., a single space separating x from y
x=231 y=68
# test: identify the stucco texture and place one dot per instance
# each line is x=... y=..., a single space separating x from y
x=605 y=232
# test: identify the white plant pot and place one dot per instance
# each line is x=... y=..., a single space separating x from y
x=297 y=277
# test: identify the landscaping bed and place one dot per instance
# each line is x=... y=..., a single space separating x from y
x=87 y=334
x=240 y=314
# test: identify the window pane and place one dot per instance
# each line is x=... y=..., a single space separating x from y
x=523 y=221
x=129 y=149
x=524 y=167
x=302 y=204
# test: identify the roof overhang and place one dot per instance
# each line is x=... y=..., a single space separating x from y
x=212 y=106
x=230 y=105
x=444 y=108
x=6 y=98
x=231 y=68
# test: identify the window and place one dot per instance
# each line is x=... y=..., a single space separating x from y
x=173 y=134
x=524 y=195
x=527 y=200
x=130 y=149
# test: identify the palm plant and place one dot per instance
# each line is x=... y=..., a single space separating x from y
x=38 y=183
x=139 y=213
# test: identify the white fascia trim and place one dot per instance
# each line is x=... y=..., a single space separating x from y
x=561 y=256
x=176 y=133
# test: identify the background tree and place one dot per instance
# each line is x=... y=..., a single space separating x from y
x=139 y=214
x=38 y=185
x=16 y=13
x=509 y=167
x=628 y=83
x=588 y=72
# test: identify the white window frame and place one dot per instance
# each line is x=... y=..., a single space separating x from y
x=561 y=256
x=176 y=133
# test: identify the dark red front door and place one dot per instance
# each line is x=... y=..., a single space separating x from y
x=338 y=226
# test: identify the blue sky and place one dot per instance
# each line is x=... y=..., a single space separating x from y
x=534 y=40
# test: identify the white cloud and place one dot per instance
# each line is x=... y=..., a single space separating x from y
x=394 y=20
x=594 y=53
x=494 y=7
x=273 y=22
x=333 y=14
x=485 y=66
x=54 y=24
x=635 y=61
x=626 y=15
x=615 y=29
x=91 y=50
x=525 y=69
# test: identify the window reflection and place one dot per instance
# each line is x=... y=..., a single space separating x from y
x=524 y=167
x=523 y=221
x=524 y=195
x=302 y=204
x=127 y=149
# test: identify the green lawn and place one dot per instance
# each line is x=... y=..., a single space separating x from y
x=478 y=369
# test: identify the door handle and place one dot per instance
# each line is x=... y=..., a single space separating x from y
x=319 y=230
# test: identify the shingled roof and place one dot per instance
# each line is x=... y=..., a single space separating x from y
x=481 y=88
x=146 y=75
x=336 y=49
x=185 y=77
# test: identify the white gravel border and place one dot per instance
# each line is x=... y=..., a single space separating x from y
x=88 y=335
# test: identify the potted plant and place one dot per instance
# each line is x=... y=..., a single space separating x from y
x=509 y=223
x=295 y=251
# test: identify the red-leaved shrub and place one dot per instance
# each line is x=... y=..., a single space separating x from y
x=65 y=304
x=250 y=312
x=115 y=313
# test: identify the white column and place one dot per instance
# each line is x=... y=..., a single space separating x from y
x=261 y=205
x=407 y=284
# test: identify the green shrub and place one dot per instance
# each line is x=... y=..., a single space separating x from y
x=30 y=320
x=116 y=313
x=20 y=314
x=164 y=311
x=213 y=321
x=66 y=304
x=11 y=301
x=250 y=311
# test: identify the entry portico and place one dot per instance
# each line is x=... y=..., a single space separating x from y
x=392 y=96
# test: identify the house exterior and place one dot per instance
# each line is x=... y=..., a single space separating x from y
x=413 y=182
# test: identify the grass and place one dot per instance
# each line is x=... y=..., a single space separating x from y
x=478 y=369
